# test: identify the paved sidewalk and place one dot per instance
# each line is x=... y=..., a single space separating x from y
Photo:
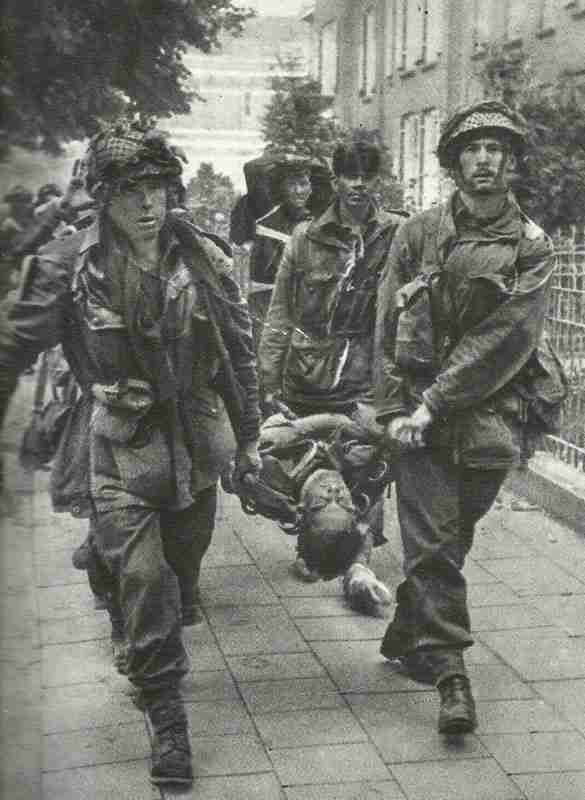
x=288 y=697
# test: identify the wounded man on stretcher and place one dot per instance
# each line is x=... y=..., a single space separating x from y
x=323 y=479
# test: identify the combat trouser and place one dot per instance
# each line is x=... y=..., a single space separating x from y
x=439 y=504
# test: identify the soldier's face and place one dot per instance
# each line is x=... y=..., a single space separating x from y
x=355 y=192
x=138 y=208
x=296 y=190
x=327 y=501
x=482 y=166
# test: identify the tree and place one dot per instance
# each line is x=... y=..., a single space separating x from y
x=66 y=63
x=211 y=196
x=550 y=183
x=296 y=120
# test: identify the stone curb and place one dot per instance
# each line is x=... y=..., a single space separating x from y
x=556 y=487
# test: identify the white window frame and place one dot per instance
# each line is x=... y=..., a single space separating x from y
x=328 y=58
x=368 y=52
x=515 y=17
x=390 y=37
x=549 y=11
x=415 y=14
x=433 y=30
x=482 y=25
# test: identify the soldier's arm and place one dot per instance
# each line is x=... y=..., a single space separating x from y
x=33 y=322
x=494 y=350
x=391 y=397
x=278 y=325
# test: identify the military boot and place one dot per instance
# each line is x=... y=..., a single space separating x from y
x=171 y=749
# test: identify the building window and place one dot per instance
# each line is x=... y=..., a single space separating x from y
x=389 y=34
x=430 y=171
x=515 y=15
x=482 y=24
x=414 y=32
x=420 y=173
x=433 y=27
x=368 y=52
x=418 y=28
x=328 y=58
x=410 y=159
x=549 y=10
x=400 y=34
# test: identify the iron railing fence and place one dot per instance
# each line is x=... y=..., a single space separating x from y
x=565 y=326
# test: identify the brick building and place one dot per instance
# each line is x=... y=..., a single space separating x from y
x=403 y=65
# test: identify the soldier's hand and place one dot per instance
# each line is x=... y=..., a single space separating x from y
x=273 y=404
x=364 y=592
x=410 y=431
x=247 y=463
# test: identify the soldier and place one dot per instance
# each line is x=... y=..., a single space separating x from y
x=317 y=349
x=291 y=181
x=153 y=327
x=461 y=310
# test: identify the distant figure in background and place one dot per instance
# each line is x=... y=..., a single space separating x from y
x=291 y=180
x=13 y=229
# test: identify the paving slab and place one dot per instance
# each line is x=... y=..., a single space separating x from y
x=239 y=585
x=479 y=779
x=359 y=667
x=344 y=628
x=86 y=705
x=403 y=728
x=568 y=697
x=64 y=602
x=519 y=716
x=85 y=628
x=106 y=745
x=502 y=618
x=259 y=786
x=534 y=576
x=243 y=630
x=291 y=695
x=554 y=751
x=567 y=612
x=124 y=781
x=364 y=790
x=280 y=576
x=497 y=682
x=275 y=666
x=538 y=657
x=228 y=755
x=314 y=607
x=219 y=718
x=80 y=662
x=554 y=786
x=336 y=763
x=202 y=687
x=309 y=727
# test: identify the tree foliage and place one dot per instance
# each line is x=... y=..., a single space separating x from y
x=550 y=184
x=66 y=63
x=299 y=120
x=211 y=196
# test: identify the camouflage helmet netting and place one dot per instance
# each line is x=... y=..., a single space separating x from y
x=488 y=115
x=130 y=149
